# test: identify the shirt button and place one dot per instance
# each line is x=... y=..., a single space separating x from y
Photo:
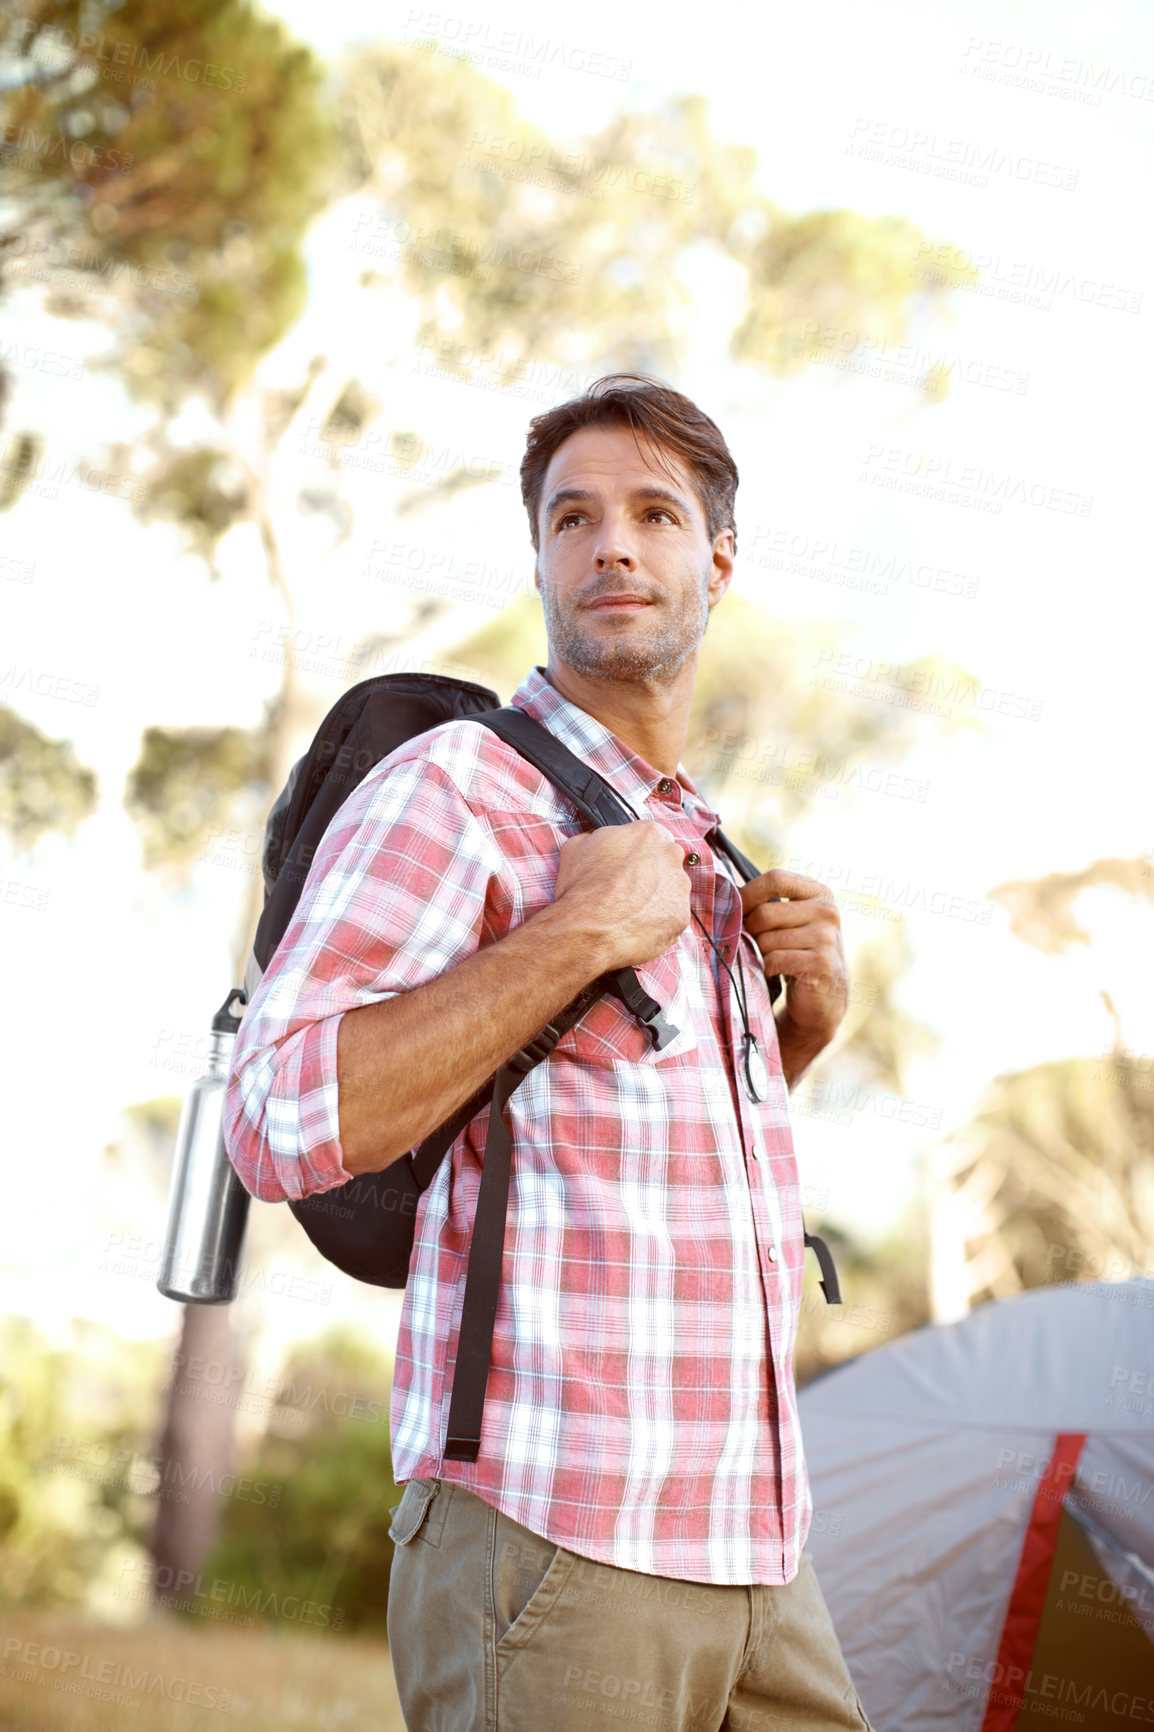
x=771 y=1255
x=725 y=949
x=665 y=786
x=693 y=859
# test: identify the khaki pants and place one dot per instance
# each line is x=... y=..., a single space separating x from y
x=493 y=1629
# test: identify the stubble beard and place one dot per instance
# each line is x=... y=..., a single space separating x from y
x=660 y=651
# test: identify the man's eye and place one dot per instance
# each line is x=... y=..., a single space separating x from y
x=569 y=517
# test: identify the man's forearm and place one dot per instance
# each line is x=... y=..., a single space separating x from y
x=404 y=1065
x=798 y=1048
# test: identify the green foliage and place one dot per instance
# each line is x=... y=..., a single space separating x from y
x=885 y=1289
x=20 y=463
x=1056 y=1173
x=204 y=491
x=767 y=736
x=321 y=1533
x=518 y=248
x=824 y=283
x=501 y=652
x=183 y=783
x=180 y=153
x=878 y=1038
x=43 y=786
x=353 y=411
x=76 y=1472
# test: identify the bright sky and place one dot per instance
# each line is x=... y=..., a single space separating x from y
x=864 y=107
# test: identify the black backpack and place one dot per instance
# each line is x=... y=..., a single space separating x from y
x=366 y=1227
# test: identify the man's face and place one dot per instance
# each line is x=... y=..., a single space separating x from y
x=626 y=569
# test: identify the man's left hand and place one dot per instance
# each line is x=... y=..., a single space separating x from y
x=800 y=938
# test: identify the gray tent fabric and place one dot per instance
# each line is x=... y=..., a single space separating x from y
x=927 y=1458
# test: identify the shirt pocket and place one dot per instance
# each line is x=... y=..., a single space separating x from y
x=609 y=1034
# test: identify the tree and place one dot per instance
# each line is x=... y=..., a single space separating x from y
x=316 y=1526
x=1053 y=1178
x=43 y=787
x=171 y=201
x=169 y=157
x=520 y=251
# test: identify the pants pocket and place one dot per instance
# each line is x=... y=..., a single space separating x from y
x=410 y=1515
x=528 y=1576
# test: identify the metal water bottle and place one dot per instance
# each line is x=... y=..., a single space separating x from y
x=208 y=1205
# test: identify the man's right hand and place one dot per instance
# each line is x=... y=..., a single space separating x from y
x=627 y=885
x=406 y=1063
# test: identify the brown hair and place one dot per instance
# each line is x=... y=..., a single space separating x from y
x=670 y=421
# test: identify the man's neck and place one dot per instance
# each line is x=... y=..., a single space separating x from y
x=651 y=719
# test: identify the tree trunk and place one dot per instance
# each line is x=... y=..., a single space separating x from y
x=196 y=1449
x=196 y=1444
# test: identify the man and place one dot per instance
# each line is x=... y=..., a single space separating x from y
x=628 y=1544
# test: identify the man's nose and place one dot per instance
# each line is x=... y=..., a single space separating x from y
x=613 y=548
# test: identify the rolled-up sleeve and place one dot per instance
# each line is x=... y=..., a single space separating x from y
x=395 y=895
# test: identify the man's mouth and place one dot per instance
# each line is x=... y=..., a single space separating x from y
x=611 y=603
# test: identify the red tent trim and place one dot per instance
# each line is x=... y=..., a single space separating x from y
x=1028 y=1595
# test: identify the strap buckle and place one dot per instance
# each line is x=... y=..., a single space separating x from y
x=535 y=1051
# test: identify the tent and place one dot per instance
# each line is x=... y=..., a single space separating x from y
x=984 y=1515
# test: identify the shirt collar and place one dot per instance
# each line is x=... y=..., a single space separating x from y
x=623 y=769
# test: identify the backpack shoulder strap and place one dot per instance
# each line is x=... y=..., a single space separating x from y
x=593 y=796
x=599 y=804
x=749 y=872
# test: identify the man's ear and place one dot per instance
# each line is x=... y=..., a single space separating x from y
x=721 y=571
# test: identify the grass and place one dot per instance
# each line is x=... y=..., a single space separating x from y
x=62 y=1673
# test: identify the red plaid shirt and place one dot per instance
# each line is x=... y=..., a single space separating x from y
x=640 y=1408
